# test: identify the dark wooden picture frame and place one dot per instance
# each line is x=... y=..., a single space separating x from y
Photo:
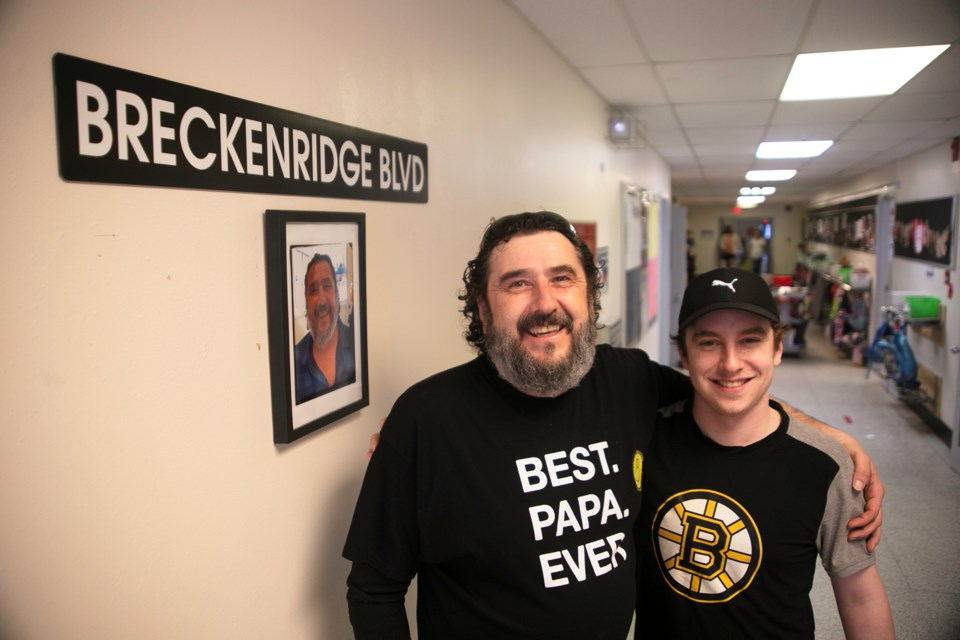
x=315 y=260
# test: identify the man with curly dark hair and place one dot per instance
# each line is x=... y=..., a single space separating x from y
x=517 y=365
x=509 y=485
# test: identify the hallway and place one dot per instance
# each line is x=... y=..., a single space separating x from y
x=918 y=557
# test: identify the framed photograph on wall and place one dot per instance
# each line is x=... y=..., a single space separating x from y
x=924 y=230
x=316 y=318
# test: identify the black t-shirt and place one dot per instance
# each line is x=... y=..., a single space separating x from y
x=729 y=536
x=516 y=513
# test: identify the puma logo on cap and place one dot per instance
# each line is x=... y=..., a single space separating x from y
x=728 y=285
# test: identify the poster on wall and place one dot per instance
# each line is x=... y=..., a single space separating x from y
x=603 y=263
x=634 y=234
x=923 y=230
x=850 y=224
x=651 y=213
x=316 y=313
x=122 y=127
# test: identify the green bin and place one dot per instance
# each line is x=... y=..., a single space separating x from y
x=923 y=307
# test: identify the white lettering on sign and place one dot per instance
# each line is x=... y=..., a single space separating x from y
x=130 y=120
x=401 y=172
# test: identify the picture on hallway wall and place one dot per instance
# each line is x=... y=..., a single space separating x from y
x=633 y=231
x=923 y=230
x=316 y=315
x=850 y=224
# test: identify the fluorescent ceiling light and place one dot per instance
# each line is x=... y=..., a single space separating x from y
x=856 y=74
x=793 y=149
x=749 y=201
x=770 y=175
x=757 y=191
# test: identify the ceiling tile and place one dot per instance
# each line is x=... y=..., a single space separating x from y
x=749 y=137
x=700 y=29
x=585 y=33
x=656 y=117
x=847 y=25
x=626 y=85
x=666 y=137
x=843 y=153
x=725 y=114
x=824 y=111
x=722 y=153
x=902 y=149
x=918 y=106
x=885 y=130
x=943 y=74
x=725 y=172
x=941 y=131
x=724 y=80
x=783 y=132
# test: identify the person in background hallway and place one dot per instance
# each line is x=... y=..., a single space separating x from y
x=730 y=246
x=509 y=485
x=324 y=356
x=738 y=500
x=756 y=249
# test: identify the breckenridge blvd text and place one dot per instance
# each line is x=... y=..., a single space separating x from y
x=124 y=127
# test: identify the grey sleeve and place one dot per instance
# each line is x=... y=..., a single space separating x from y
x=839 y=556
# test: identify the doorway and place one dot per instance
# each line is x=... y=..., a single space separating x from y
x=742 y=227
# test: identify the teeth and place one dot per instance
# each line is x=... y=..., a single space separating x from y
x=730 y=384
x=539 y=331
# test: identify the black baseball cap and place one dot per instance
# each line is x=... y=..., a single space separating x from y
x=727 y=289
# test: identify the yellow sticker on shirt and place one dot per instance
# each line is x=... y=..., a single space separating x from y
x=638 y=470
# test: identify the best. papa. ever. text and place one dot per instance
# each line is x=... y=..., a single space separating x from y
x=551 y=521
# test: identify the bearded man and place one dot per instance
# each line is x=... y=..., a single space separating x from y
x=324 y=356
x=509 y=485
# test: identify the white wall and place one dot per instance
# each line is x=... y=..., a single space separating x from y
x=926 y=175
x=142 y=496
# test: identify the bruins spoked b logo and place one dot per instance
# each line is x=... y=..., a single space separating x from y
x=707 y=545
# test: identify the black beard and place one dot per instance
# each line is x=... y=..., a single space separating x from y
x=531 y=376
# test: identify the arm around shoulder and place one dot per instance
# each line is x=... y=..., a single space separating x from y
x=866 y=526
x=863 y=606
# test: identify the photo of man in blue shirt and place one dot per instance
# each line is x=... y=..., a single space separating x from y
x=324 y=357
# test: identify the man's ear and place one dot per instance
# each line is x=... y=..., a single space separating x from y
x=680 y=350
x=484 y=312
x=778 y=356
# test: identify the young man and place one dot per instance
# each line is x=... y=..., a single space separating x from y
x=509 y=485
x=738 y=501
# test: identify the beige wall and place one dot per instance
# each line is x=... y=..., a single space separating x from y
x=142 y=496
x=703 y=222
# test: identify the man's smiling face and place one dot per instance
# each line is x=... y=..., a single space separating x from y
x=731 y=356
x=537 y=313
